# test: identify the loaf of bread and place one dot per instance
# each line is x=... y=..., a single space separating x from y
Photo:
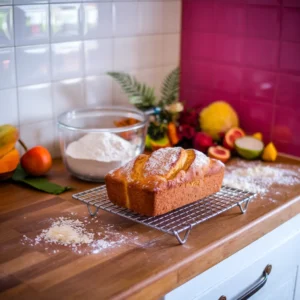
x=169 y=178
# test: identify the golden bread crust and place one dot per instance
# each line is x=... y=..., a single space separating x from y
x=167 y=179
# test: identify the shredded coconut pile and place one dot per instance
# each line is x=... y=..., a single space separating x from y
x=66 y=232
x=73 y=233
x=258 y=178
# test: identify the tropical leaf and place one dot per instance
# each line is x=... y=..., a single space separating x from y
x=170 y=88
x=139 y=94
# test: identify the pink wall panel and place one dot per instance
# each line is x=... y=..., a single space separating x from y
x=246 y=52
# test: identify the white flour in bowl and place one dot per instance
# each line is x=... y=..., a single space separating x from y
x=95 y=154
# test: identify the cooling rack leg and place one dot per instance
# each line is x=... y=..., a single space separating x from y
x=185 y=237
x=92 y=213
x=244 y=207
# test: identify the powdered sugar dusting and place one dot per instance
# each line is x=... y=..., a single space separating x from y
x=160 y=162
x=201 y=160
x=74 y=234
x=258 y=177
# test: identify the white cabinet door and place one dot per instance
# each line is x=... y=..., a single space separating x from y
x=233 y=276
x=280 y=284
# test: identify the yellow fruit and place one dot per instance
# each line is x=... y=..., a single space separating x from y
x=8 y=138
x=148 y=142
x=258 y=135
x=270 y=153
x=161 y=143
x=218 y=118
x=9 y=161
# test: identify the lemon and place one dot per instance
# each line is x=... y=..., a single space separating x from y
x=270 y=153
x=218 y=118
x=258 y=135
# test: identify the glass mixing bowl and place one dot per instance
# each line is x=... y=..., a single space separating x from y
x=92 y=144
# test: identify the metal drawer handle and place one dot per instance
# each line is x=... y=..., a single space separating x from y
x=254 y=288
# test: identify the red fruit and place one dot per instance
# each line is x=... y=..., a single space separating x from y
x=37 y=161
x=202 y=141
x=219 y=152
x=186 y=131
x=230 y=137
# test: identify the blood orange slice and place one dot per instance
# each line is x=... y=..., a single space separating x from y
x=230 y=137
x=219 y=152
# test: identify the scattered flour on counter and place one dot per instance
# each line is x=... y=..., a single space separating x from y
x=72 y=233
x=258 y=178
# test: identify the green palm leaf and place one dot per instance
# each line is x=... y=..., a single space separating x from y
x=139 y=94
x=170 y=88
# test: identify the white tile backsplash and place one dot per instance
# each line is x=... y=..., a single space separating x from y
x=171 y=48
x=54 y=55
x=98 y=90
x=40 y=133
x=38 y=97
x=33 y=64
x=125 y=18
x=22 y=2
x=98 y=20
x=66 y=22
x=7 y=68
x=5 y=2
x=68 y=94
x=64 y=1
x=31 y=24
x=103 y=50
x=171 y=16
x=67 y=60
x=150 y=51
x=9 y=107
x=6 y=30
x=150 y=17
x=126 y=53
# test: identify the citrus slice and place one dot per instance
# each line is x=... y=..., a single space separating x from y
x=230 y=137
x=249 y=147
x=219 y=152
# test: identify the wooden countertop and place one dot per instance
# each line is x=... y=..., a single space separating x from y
x=145 y=268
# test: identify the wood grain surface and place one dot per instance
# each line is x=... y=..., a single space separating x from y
x=143 y=268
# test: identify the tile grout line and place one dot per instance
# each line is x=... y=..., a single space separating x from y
x=16 y=73
x=54 y=118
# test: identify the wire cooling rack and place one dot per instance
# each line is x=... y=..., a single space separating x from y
x=180 y=220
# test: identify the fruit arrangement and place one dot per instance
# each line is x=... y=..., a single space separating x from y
x=27 y=168
x=225 y=139
x=221 y=138
x=214 y=130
